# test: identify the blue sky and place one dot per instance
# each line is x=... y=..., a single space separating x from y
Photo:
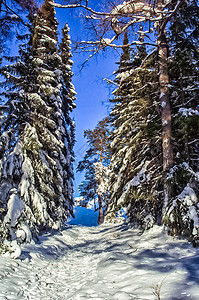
x=90 y=87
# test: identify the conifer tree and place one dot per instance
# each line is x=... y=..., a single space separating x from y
x=68 y=97
x=135 y=146
x=182 y=213
x=37 y=164
x=95 y=164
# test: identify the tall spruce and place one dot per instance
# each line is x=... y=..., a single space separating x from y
x=68 y=97
x=37 y=165
x=182 y=215
x=135 y=141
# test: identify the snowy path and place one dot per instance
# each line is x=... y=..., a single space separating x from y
x=106 y=262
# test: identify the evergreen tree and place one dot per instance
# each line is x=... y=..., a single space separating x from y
x=38 y=162
x=95 y=165
x=135 y=141
x=182 y=214
x=68 y=97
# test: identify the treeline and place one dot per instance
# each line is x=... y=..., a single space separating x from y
x=37 y=131
x=155 y=103
x=143 y=157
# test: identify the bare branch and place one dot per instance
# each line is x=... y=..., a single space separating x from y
x=120 y=18
x=90 y=56
x=10 y=9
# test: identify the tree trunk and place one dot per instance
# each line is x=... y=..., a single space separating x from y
x=100 y=217
x=186 y=140
x=165 y=113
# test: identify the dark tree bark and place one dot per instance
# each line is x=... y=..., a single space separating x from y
x=100 y=216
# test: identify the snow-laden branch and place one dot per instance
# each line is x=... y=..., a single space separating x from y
x=110 y=81
x=126 y=8
x=108 y=42
x=135 y=11
x=79 y=6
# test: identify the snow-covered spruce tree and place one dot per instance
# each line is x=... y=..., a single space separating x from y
x=55 y=181
x=182 y=216
x=11 y=158
x=68 y=95
x=136 y=148
x=121 y=101
x=94 y=163
x=37 y=164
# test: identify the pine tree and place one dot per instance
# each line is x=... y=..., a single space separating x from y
x=38 y=162
x=182 y=213
x=135 y=147
x=95 y=164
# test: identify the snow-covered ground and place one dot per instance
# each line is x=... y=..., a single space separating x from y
x=105 y=262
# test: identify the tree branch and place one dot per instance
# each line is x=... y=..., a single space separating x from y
x=10 y=9
x=105 y=43
x=168 y=18
x=79 y=6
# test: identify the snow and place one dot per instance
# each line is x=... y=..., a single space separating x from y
x=141 y=176
x=106 y=41
x=162 y=95
x=14 y=160
x=38 y=61
x=130 y=7
x=123 y=76
x=46 y=38
x=188 y=195
x=188 y=112
x=102 y=262
x=23 y=233
x=164 y=123
x=187 y=203
x=163 y=104
x=15 y=208
x=101 y=176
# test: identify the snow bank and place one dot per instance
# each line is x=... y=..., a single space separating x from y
x=15 y=208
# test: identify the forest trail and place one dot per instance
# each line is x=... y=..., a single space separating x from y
x=105 y=262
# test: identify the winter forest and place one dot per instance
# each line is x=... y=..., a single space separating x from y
x=141 y=165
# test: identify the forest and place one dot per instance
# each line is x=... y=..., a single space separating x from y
x=142 y=158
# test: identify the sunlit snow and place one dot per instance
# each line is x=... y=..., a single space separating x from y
x=104 y=262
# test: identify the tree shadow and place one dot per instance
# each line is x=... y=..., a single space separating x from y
x=117 y=245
